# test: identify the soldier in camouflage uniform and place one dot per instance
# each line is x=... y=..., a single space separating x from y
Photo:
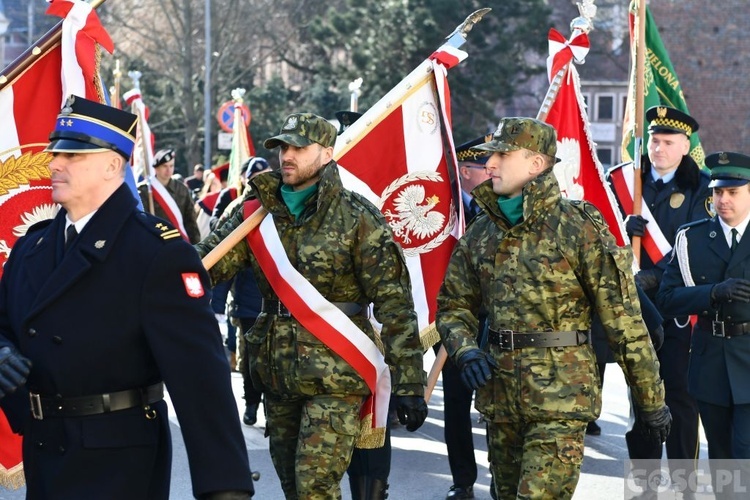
x=540 y=265
x=343 y=246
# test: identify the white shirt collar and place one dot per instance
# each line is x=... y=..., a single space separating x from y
x=666 y=178
x=80 y=223
x=728 y=229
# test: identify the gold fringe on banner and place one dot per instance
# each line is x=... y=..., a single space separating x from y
x=13 y=478
x=368 y=437
x=429 y=336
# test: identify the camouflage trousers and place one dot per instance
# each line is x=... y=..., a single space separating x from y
x=311 y=442
x=536 y=460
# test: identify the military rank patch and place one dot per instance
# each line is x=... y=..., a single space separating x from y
x=193 y=285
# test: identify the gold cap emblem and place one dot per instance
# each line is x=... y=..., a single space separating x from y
x=661 y=112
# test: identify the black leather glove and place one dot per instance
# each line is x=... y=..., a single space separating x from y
x=731 y=289
x=227 y=495
x=412 y=411
x=655 y=425
x=647 y=279
x=14 y=369
x=474 y=365
x=635 y=225
x=657 y=337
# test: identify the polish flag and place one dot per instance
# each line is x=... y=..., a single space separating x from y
x=579 y=173
x=142 y=161
x=395 y=156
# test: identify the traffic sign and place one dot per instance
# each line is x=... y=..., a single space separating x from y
x=225 y=116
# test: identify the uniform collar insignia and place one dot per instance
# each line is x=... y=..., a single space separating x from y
x=100 y=244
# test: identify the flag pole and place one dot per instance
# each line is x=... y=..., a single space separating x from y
x=21 y=63
x=581 y=24
x=135 y=76
x=115 y=92
x=640 y=67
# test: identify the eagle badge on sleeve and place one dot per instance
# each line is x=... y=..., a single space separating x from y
x=193 y=285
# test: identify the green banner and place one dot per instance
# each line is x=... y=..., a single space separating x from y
x=661 y=87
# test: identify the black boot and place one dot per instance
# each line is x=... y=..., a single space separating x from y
x=358 y=487
x=378 y=489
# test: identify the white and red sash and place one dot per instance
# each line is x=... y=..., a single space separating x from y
x=167 y=203
x=323 y=319
x=653 y=240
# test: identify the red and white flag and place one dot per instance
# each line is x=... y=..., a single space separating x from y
x=242 y=146
x=395 y=156
x=579 y=173
x=30 y=101
x=142 y=161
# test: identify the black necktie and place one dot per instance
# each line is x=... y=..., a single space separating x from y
x=659 y=184
x=735 y=239
x=70 y=235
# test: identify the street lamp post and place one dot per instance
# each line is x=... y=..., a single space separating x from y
x=207 y=91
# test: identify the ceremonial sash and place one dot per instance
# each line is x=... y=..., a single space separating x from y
x=653 y=240
x=327 y=323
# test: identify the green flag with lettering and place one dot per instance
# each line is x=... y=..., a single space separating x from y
x=661 y=87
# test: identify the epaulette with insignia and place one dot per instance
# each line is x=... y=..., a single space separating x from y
x=158 y=226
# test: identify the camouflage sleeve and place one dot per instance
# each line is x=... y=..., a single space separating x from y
x=606 y=272
x=384 y=277
x=236 y=259
x=459 y=301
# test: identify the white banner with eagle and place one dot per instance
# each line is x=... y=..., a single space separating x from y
x=394 y=155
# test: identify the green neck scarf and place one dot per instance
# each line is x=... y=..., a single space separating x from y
x=511 y=207
x=295 y=200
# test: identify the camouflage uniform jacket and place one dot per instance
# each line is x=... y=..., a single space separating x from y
x=341 y=244
x=547 y=273
x=184 y=201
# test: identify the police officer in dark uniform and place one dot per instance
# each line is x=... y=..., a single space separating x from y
x=107 y=305
x=709 y=275
x=676 y=192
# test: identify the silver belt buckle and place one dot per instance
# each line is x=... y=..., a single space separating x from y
x=36 y=406
x=506 y=346
x=717 y=329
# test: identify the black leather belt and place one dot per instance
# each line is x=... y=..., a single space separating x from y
x=45 y=407
x=510 y=340
x=271 y=306
x=724 y=329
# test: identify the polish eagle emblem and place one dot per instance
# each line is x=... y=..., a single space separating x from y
x=413 y=214
x=418 y=207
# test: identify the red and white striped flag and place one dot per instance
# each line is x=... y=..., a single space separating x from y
x=395 y=156
x=142 y=161
x=30 y=101
x=579 y=173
